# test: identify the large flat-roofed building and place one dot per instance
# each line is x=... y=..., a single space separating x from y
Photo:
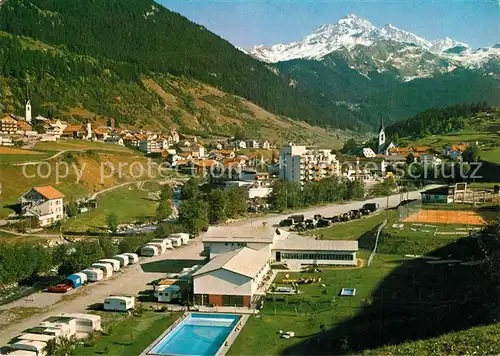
x=222 y=239
x=230 y=278
x=306 y=251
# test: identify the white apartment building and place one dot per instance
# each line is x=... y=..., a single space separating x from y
x=300 y=163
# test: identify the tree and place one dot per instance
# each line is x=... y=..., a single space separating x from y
x=193 y=215
x=112 y=222
x=61 y=346
x=109 y=249
x=471 y=154
x=72 y=209
x=217 y=206
x=350 y=147
x=164 y=210
x=166 y=193
x=410 y=158
x=236 y=202
x=191 y=189
x=355 y=189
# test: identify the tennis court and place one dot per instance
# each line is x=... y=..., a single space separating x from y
x=446 y=217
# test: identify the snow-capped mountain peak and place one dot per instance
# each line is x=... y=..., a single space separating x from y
x=349 y=32
x=393 y=33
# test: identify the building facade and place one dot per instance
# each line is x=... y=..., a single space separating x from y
x=301 y=164
x=44 y=203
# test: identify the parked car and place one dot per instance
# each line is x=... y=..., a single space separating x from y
x=60 y=288
x=323 y=223
x=310 y=224
x=297 y=218
x=355 y=214
x=371 y=206
x=286 y=223
x=364 y=211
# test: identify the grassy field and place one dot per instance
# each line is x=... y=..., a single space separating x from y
x=481 y=340
x=129 y=203
x=304 y=314
x=482 y=129
x=396 y=300
x=92 y=167
x=83 y=145
x=129 y=335
x=491 y=154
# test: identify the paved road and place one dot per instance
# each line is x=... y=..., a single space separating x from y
x=134 y=279
x=328 y=210
x=131 y=280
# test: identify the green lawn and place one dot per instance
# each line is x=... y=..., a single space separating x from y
x=129 y=335
x=305 y=313
x=15 y=158
x=491 y=154
x=364 y=230
x=477 y=185
x=128 y=203
x=353 y=229
x=481 y=340
x=82 y=145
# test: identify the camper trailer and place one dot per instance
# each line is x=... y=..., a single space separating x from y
x=75 y=280
x=166 y=242
x=65 y=324
x=149 y=251
x=132 y=257
x=113 y=262
x=119 y=303
x=83 y=276
x=106 y=268
x=84 y=323
x=22 y=353
x=176 y=241
x=35 y=337
x=93 y=274
x=166 y=294
x=123 y=259
x=30 y=345
x=161 y=247
x=182 y=235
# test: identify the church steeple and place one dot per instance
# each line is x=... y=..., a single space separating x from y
x=381 y=137
x=381 y=126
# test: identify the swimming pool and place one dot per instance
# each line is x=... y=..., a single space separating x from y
x=197 y=334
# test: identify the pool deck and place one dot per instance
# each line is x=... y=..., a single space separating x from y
x=232 y=336
x=227 y=343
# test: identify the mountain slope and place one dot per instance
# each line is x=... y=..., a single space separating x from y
x=150 y=38
x=81 y=88
x=390 y=47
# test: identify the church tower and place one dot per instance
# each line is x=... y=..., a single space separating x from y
x=381 y=137
x=27 y=113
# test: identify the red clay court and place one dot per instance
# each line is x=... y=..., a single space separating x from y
x=461 y=217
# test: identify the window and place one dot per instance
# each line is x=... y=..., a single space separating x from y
x=318 y=256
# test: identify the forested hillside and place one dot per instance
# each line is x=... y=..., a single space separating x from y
x=436 y=121
x=150 y=38
x=81 y=87
x=378 y=95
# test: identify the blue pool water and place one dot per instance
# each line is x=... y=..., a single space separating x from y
x=197 y=334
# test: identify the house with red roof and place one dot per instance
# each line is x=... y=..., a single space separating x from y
x=45 y=204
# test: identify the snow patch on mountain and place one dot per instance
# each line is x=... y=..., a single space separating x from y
x=415 y=56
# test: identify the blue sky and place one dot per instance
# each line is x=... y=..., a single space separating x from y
x=252 y=22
